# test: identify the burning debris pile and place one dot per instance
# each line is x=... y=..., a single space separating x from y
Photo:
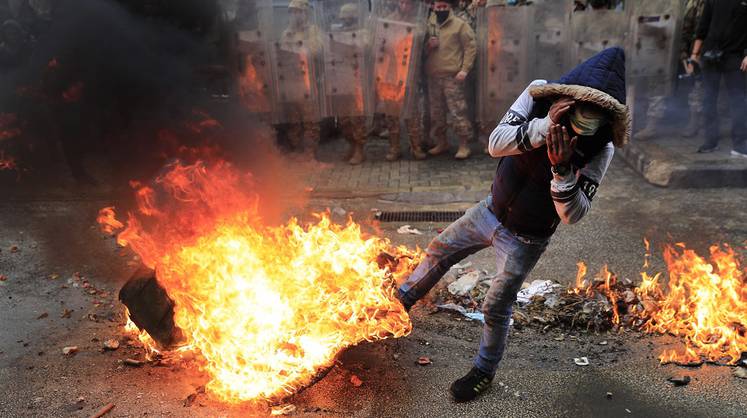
x=264 y=307
x=704 y=303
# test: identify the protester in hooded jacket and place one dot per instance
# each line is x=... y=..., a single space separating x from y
x=555 y=144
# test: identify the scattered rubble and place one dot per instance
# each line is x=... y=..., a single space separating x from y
x=424 y=361
x=3 y=278
x=70 y=350
x=103 y=411
x=682 y=380
x=111 y=344
x=465 y=283
x=536 y=288
x=408 y=230
x=356 y=381
x=581 y=361
x=43 y=315
x=475 y=316
x=132 y=362
x=285 y=409
x=740 y=372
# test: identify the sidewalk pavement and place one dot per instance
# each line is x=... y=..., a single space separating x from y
x=377 y=177
x=671 y=160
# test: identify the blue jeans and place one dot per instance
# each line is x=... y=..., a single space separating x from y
x=516 y=256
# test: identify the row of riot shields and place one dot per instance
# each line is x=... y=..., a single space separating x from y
x=331 y=58
x=547 y=38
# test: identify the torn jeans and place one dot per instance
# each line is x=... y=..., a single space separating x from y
x=516 y=256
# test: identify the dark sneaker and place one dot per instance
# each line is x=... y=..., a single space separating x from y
x=706 y=148
x=470 y=386
x=401 y=298
x=739 y=151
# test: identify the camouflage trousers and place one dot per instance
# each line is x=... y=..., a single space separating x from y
x=353 y=129
x=447 y=98
x=303 y=128
x=414 y=126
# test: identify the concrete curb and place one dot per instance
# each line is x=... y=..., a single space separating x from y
x=665 y=171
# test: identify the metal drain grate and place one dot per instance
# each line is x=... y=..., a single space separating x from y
x=419 y=216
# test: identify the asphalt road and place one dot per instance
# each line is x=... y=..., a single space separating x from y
x=537 y=378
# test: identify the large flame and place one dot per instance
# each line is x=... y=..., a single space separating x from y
x=267 y=307
x=704 y=303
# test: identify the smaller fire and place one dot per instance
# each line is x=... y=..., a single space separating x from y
x=704 y=302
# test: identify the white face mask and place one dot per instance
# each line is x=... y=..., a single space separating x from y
x=586 y=120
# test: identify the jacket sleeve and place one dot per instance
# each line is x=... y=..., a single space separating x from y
x=515 y=133
x=467 y=37
x=704 y=25
x=572 y=194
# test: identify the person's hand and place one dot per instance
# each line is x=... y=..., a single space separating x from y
x=560 y=108
x=560 y=145
x=743 y=67
x=433 y=42
x=461 y=76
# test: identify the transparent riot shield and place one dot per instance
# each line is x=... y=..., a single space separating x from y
x=552 y=35
x=345 y=46
x=653 y=44
x=503 y=34
x=252 y=22
x=397 y=27
x=296 y=61
x=596 y=30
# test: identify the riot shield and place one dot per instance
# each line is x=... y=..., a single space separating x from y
x=552 y=32
x=345 y=45
x=503 y=43
x=595 y=30
x=296 y=60
x=251 y=20
x=397 y=28
x=653 y=44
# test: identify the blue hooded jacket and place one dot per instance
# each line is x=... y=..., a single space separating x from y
x=522 y=199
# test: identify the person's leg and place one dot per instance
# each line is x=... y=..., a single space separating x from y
x=414 y=126
x=392 y=125
x=469 y=234
x=311 y=136
x=356 y=131
x=736 y=85
x=437 y=102
x=457 y=105
x=711 y=82
x=515 y=258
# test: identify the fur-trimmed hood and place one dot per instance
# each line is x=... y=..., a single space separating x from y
x=600 y=80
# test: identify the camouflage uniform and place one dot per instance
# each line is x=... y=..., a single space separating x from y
x=447 y=97
x=303 y=129
x=446 y=94
x=467 y=11
x=413 y=120
x=353 y=128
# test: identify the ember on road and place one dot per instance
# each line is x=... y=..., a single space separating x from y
x=209 y=209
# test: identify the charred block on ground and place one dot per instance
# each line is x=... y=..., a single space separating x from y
x=150 y=307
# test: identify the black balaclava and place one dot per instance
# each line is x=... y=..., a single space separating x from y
x=442 y=15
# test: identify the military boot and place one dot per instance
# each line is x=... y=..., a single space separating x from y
x=418 y=153
x=441 y=147
x=358 y=156
x=394 y=148
x=463 y=152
